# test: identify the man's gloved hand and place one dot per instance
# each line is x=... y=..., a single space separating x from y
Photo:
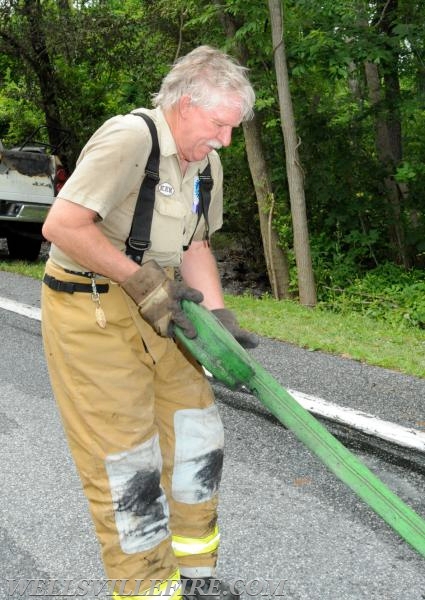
x=228 y=319
x=158 y=298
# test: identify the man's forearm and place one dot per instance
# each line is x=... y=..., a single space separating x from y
x=199 y=270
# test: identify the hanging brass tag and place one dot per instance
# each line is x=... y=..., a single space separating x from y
x=99 y=313
x=100 y=317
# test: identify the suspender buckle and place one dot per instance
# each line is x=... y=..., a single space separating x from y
x=151 y=177
x=139 y=245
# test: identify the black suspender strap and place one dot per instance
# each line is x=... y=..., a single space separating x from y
x=139 y=239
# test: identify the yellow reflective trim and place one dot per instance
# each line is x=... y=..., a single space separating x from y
x=169 y=588
x=185 y=546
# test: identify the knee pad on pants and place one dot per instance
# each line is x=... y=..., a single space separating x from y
x=198 y=459
x=140 y=506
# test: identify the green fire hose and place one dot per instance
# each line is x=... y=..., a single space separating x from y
x=217 y=350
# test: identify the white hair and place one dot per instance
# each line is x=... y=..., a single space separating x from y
x=210 y=78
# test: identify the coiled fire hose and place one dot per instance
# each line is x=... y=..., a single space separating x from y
x=217 y=350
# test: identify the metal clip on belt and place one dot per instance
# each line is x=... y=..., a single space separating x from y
x=71 y=287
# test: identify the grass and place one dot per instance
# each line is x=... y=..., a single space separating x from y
x=34 y=270
x=349 y=335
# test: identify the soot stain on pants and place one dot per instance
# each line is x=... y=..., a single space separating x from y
x=142 y=497
x=209 y=475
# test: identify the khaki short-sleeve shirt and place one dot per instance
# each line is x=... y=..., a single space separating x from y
x=107 y=179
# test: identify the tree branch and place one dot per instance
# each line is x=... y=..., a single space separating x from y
x=383 y=14
x=19 y=50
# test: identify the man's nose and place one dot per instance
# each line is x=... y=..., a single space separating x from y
x=225 y=136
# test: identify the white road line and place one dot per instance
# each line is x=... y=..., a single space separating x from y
x=22 y=309
x=365 y=422
x=356 y=419
x=411 y=438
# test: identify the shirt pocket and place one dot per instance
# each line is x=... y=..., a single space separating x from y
x=168 y=225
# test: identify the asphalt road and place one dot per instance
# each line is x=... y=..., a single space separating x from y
x=284 y=517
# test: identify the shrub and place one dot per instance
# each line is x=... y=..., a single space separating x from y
x=387 y=293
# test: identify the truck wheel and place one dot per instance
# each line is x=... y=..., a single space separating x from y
x=23 y=248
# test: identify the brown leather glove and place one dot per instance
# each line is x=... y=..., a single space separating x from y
x=228 y=319
x=158 y=298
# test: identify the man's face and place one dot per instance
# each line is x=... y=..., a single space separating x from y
x=202 y=130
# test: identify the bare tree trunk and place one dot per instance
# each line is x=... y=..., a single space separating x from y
x=353 y=81
x=276 y=259
x=306 y=284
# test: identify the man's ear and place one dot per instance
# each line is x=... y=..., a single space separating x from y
x=185 y=104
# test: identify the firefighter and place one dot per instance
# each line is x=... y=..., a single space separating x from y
x=139 y=414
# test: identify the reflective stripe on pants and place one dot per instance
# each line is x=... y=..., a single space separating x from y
x=185 y=546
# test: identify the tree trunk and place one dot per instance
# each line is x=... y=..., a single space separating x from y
x=306 y=284
x=43 y=68
x=387 y=157
x=276 y=259
x=384 y=95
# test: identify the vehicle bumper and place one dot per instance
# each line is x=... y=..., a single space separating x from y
x=20 y=211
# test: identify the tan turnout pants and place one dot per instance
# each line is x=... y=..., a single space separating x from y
x=144 y=432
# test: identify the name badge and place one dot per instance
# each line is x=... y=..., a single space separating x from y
x=166 y=189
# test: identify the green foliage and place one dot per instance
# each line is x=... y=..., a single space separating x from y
x=18 y=117
x=387 y=293
x=406 y=173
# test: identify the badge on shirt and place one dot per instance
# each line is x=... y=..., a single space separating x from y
x=196 y=195
x=166 y=189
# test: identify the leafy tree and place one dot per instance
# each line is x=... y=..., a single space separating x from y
x=81 y=63
x=350 y=184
